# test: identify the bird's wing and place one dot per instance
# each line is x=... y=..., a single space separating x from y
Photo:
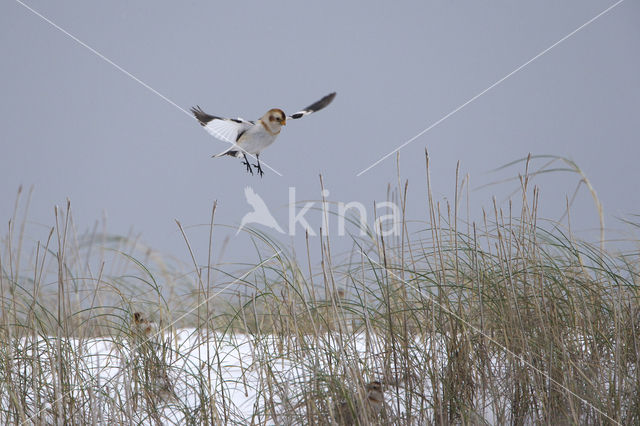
x=316 y=106
x=226 y=129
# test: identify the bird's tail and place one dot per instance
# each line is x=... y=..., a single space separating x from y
x=232 y=151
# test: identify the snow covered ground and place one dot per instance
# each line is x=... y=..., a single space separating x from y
x=248 y=379
x=236 y=378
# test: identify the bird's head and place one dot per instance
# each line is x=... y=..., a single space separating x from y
x=375 y=392
x=274 y=119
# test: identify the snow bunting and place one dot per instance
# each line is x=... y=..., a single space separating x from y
x=141 y=325
x=252 y=137
x=143 y=328
x=370 y=408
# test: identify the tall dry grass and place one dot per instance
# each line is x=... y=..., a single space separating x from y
x=511 y=320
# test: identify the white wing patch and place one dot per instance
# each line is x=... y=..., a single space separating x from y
x=226 y=130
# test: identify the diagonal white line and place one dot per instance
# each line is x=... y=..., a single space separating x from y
x=101 y=56
x=119 y=68
x=164 y=329
x=492 y=340
x=492 y=86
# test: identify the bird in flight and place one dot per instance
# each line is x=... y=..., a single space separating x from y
x=252 y=137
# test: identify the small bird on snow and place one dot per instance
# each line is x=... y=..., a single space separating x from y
x=252 y=137
x=370 y=408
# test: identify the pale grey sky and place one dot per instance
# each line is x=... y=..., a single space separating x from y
x=74 y=126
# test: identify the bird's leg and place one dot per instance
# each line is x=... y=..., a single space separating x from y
x=246 y=163
x=258 y=165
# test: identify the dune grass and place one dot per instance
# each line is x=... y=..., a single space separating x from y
x=512 y=320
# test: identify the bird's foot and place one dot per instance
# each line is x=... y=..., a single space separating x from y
x=259 y=169
x=249 y=169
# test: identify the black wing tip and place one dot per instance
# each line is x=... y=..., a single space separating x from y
x=324 y=102
x=202 y=116
x=316 y=106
